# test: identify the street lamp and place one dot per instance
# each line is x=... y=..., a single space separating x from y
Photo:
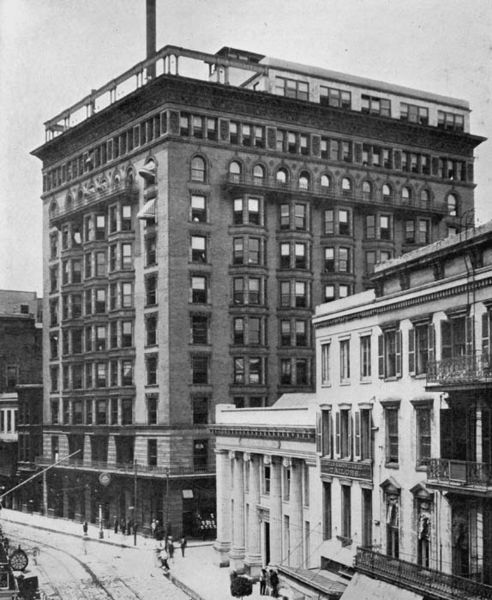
x=101 y=532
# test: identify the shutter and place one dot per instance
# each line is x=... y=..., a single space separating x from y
x=435 y=165
x=431 y=340
x=357 y=435
x=381 y=356
x=446 y=348
x=398 y=353
x=358 y=152
x=486 y=333
x=271 y=138
x=469 y=323
x=446 y=433
x=350 y=441
x=319 y=442
x=397 y=159
x=330 y=435
x=411 y=351
x=337 y=435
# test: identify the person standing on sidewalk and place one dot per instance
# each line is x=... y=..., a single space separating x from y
x=263 y=582
x=85 y=527
x=170 y=549
x=183 y=543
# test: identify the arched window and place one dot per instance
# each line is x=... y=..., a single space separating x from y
x=198 y=171
x=325 y=181
x=259 y=174
x=425 y=198
x=406 y=195
x=235 y=171
x=346 y=185
x=282 y=176
x=386 y=192
x=304 y=180
x=366 y=190
x=452 y=203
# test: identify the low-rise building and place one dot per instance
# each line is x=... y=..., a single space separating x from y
x=401 y=483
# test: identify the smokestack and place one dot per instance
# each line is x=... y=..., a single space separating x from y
x=151 y=34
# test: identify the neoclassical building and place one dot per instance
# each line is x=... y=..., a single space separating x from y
x=397 y=452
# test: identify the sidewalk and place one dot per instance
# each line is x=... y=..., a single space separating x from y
x=195 y=574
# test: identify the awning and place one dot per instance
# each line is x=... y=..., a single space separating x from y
x=362 y=587
x=148 y=210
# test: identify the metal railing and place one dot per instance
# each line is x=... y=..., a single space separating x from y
x=470 y=368
x=128 y=468
x=293 y=187
x=459 y=472
x=431 y=583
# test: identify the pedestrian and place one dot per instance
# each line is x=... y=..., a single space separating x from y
x=183 y=543
x=152 y=527
x=163 y=556
x=116 y=524
x=122 y=525
x=134 y=528
x=263 y=582
x=85 y=527
x=274 y=581
x=170 y=549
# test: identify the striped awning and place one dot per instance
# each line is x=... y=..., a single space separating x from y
x=148 y=210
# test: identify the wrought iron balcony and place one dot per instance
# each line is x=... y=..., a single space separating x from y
x=461 y=370
x=347 y=468
x=128 y=468
x=237 y=182
x=430 y=583
x=447 y=473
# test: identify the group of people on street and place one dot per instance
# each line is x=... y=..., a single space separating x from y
x=166 y=552
x=269 y=582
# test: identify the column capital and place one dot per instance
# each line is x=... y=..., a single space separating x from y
x=221 y=451
x=287 y=462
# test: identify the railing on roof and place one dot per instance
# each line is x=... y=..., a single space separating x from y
x=166 y=61
x=428 y=582
x=324 y=192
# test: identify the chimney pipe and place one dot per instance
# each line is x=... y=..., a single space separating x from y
x=151 y=35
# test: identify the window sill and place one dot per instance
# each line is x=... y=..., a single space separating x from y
x=345 y=382
x=392 y=465
x=365 y=380
x=421 y=468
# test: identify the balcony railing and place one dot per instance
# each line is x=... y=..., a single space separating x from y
x=447 y=472
x=345 y=468
x=428 y=582
x=127 y=468
x=468 y=369
x=270 y=184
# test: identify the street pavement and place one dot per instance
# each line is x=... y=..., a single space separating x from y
x=112 y=567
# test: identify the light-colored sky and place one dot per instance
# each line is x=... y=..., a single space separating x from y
x=52 y=52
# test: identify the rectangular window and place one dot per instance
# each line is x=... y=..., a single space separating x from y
x=409 y=232
x=100 y=337
x=285 y=294
x=346 y=511
x=385 y=227
x=300 y=221
x=253 y=211
x=238 y=251
x=390 y=353
x=200 y=455
x=126 y=372
x=150 y=250
x=126 y=218
x=344 y=360
x=100 y=305
x=198 y=289
x=151 y=290
x=326 y=510
x=151 y=409
x=238 y=330
x=285 y=332
x=126 y=257
x=325 y=364
x=254 y=331
x=200 y=410
x=101 y=375
x=375 y=105
x=329 y=221
x=212 y=129
x=344 y=260
x=152 y=453
x=285 y=371
x=126 y=411
x=151 y=362
x=301 y=333
x=198 y=209
x=151 y=329
x=199 y=368
x=424 y=232
x=266 y=479
x=199 y=329
x=423 y=417
x=329 y=292
x=286 y=477
x=391 y=419
x=365 y=356
x=198 y=249
x=343 y=222
x=126 y=295
x=302 y=374
x=300 y=256
x=301 y=300
x=100 y=227
x=126 y=334
x=334 y=97
x=370 y=227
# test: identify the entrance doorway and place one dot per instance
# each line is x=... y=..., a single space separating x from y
x=266 y=552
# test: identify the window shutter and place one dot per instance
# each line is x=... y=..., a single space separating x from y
x=318 y=433
x=330 y=435
x=358 y=152
x=397 y=159
x=350 y=437
x=398 y=353
x=271 y=138
x=446 y=428
x=446 y=348
x=357 y=435
x=469 y=323
x=381 y=356
x=486 y=333
x=431 y=339
x=411 y=351
x=337 y=435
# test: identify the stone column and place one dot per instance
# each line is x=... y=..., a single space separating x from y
x=238 y=546
x=275 y=511
x=223 y=542
x=253 y=558
x=296 y=538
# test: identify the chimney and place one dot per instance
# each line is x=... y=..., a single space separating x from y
x=151 y=34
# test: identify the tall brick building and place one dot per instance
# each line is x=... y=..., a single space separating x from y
x=190 y=226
